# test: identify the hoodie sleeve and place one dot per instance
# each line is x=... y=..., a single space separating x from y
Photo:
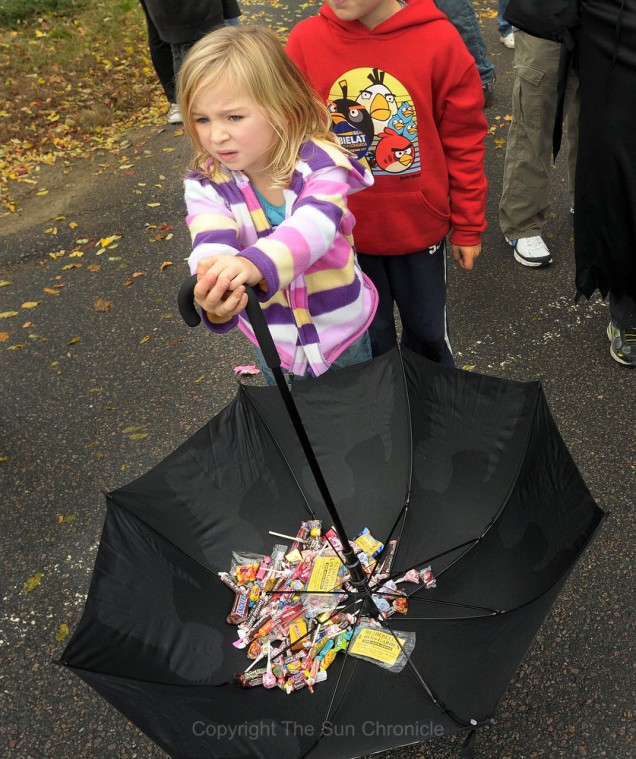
x=462 y=129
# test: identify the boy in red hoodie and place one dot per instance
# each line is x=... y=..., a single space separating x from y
x=405 y=94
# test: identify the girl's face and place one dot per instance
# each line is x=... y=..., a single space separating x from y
x=233 y=129
x=369 y=12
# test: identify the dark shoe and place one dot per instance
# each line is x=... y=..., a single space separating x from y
x=489 y=93
x=622 y=343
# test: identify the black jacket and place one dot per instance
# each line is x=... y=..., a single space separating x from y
x=189 y=20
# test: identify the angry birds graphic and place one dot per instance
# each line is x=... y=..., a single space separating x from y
x=394 y=152
x=352 y=122
x=374 y=117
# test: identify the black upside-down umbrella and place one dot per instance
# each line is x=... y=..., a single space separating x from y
x=468 y=474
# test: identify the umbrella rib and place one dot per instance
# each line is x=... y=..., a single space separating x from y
x=420 y=679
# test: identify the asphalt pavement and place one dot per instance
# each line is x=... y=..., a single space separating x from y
x=101 y=380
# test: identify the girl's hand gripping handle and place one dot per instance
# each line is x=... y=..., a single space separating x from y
x=254 y=313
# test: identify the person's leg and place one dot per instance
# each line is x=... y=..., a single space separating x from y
x=356 y=353
x=419 y=283
x=179 y=52
x=382 y=329
x=461 y=14
x=525 y=198
x=504 y=27
x=161 y=56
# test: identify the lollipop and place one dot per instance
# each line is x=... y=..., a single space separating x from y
x=269 y=678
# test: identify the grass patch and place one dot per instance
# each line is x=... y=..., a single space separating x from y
x=70 y=84
x=13 y=13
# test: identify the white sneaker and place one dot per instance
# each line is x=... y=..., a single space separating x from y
x=531 y=251
x=174 y=114
x=508 y=40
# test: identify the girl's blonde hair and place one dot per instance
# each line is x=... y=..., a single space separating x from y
x=251 y=60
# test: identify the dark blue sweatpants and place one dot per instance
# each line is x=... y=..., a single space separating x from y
x=416 y=283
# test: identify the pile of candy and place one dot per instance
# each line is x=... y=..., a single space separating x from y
x=295 y=608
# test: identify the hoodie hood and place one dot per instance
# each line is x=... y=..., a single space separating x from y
x=415 y=13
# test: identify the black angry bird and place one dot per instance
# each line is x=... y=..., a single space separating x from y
x=352 y=123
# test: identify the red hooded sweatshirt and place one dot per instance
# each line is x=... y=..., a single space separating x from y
x=406 y=96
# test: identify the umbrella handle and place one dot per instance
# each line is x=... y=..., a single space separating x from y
x=192 y=318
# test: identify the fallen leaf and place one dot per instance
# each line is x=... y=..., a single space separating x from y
x=33 y=582
x=165 y=265
x=51 y=291
x=144 y=339
x=62 y=632
x=138 y=435
x=8 y=314
x=153 y=205
x=65 y=518
x=134 y=428
x=139 y=274
x=5 y=283
x=94 y=267
x=102 y=306
x=4 y=336
x=31 y=304
x=74 y=340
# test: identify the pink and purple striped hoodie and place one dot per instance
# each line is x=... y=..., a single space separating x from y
x=316 y=300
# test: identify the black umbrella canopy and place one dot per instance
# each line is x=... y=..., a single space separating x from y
x=467 y=472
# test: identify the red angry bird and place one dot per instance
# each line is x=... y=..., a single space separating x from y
x=394 y=153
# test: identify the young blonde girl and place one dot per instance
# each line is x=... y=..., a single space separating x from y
x=266 y=201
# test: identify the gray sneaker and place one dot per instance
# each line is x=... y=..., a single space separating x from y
x=622 y=343
x=531 y=251
x=174 y=114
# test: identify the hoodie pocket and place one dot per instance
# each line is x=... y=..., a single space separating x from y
x=390 y=224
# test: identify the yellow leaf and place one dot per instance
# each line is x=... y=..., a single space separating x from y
x=144 y=339
x=5 y=283
x=138 y=435
x=153 y=205
x=73 y=224
x=32 y=582
x=62 y=632
x=31 y=304
x=51 y=291
x=74 y=340
x=76 y=254
x=468 y=367
x=45 y=192
x=106 y=241
x=8 y=314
